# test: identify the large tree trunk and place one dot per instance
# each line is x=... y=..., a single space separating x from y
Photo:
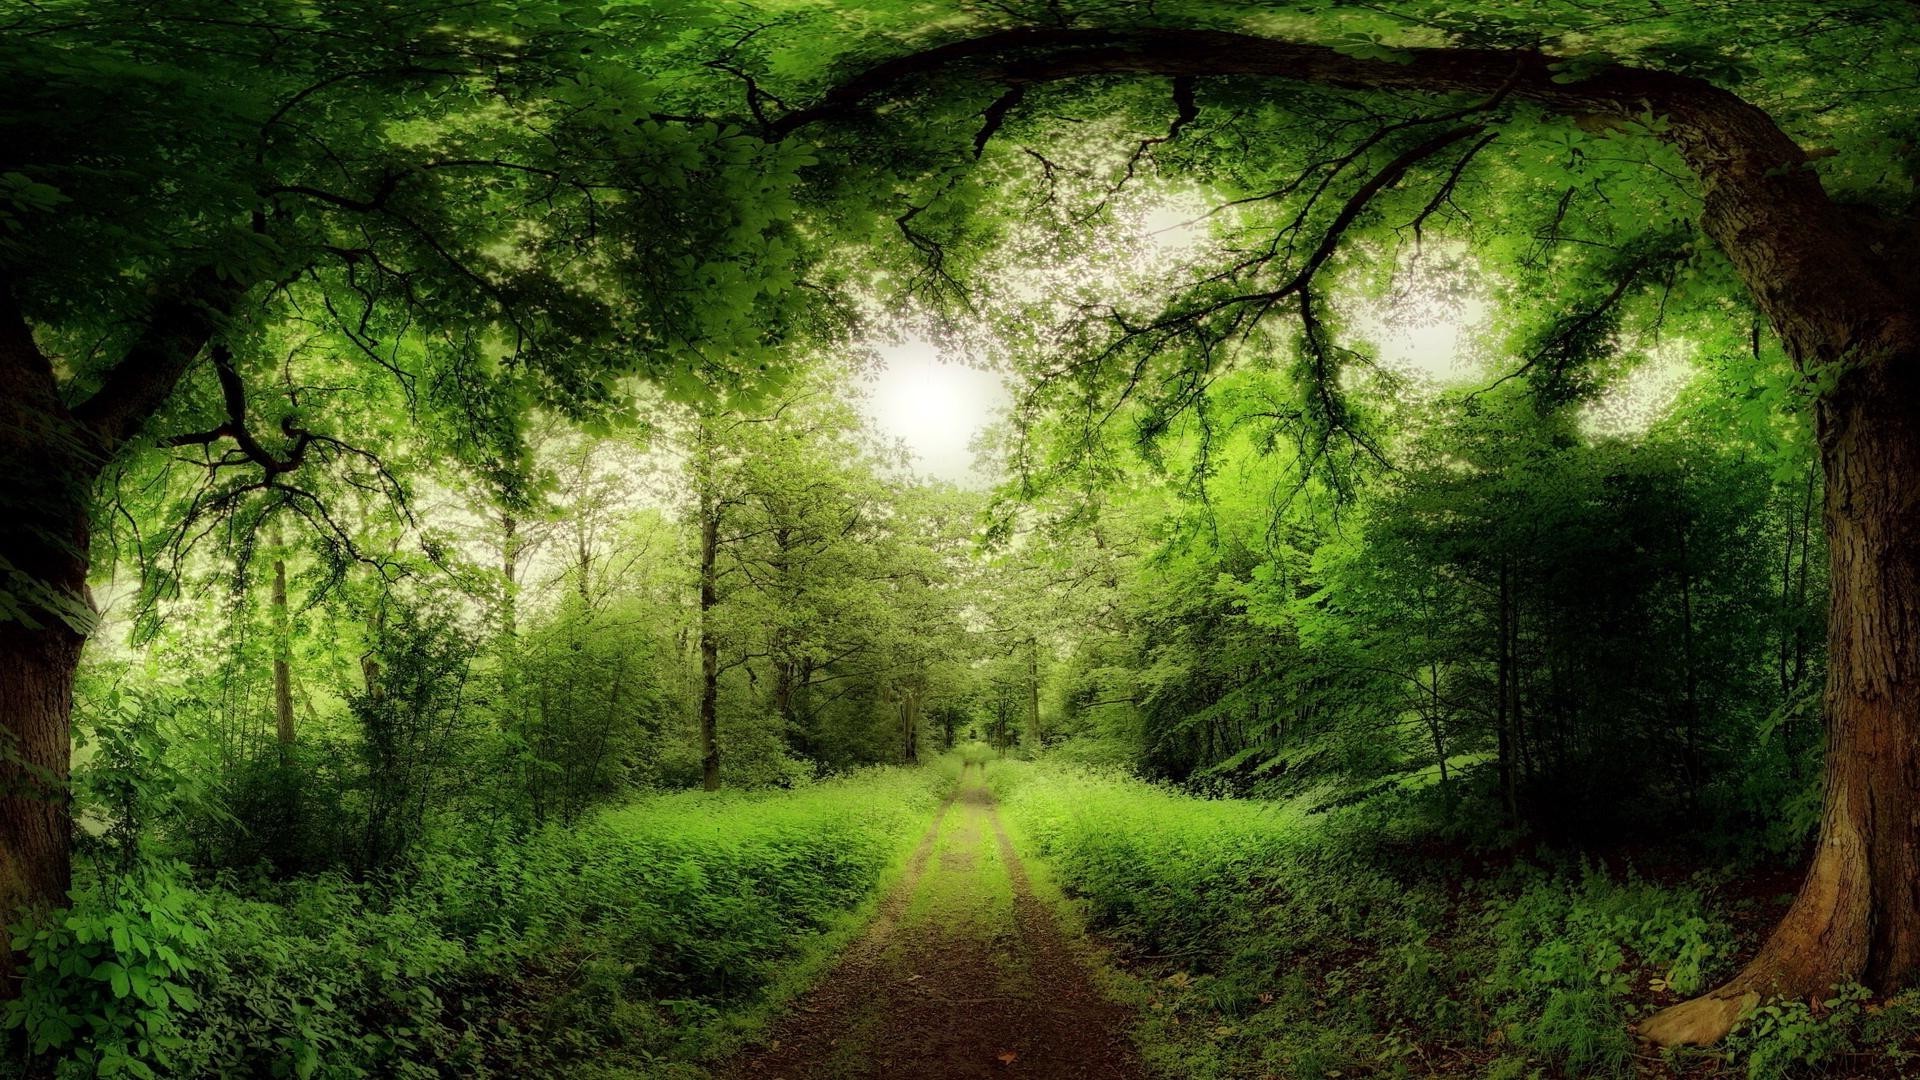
x=1857 y=915
x=44 y=536
x=36 y=700
x=51 y=457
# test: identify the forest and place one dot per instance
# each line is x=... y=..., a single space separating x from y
x=1083 y=539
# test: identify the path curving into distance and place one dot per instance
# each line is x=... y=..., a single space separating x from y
x=964 y=973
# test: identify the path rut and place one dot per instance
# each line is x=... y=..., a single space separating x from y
x=964 y=973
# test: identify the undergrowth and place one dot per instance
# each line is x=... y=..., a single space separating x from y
x=1268 y=941
x=636 y=944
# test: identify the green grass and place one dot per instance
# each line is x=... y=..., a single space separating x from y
x=645 y=942
x=1263 y=940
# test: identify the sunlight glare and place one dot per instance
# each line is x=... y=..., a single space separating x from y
x=1427 y=328
x=1175 y=227
x=935 y=406
x=1643 y=395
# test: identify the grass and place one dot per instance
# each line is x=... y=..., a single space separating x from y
x=1262 y=940
x=652 y=939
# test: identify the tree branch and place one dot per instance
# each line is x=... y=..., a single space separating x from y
x=140 y=383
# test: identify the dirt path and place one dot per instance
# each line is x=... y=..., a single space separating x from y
x=963 y=973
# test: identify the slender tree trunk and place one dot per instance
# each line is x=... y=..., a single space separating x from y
x=1503 y=716
x=583 y=561
x=1690 y=703
x=282 y=657
x=1033 y=691
x=910 y=727
x=1434 y=727
x=370 y=660
x=709 y=598
x=783 y=673
x=509 y=576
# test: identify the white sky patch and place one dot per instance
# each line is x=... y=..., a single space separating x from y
x=1429 y=326
x=1174 y=228
x=936 y=406
x=1426 y=339
x=1643 y=395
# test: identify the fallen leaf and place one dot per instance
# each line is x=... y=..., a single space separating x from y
x=1008 y=1057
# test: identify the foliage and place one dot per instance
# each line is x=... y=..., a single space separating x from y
x=1268 y=938
x=633 y=940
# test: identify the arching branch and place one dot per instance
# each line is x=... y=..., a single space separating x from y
x=1825 y=294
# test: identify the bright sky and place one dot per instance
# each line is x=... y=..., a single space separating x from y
x=1644 y=394
x=936 y=407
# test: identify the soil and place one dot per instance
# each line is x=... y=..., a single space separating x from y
x=964 y=973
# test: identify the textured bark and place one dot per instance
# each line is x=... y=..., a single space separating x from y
x=43 y=563
x=1857 y=914
x=52 y=457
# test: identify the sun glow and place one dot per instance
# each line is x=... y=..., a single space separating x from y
x=1428 y=327
x=936 y=407
x=1645 y=393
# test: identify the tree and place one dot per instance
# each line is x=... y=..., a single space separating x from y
x=380 y=176
x=178 y=188
x=1831 y=285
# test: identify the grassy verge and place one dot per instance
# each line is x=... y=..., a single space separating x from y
x=1266 y=941
x=641 y=944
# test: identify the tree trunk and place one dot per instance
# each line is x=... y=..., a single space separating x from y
x=1690 y=684
x=910 y=727
x=1503 y=717
x=1857 y=915
x=509 y=576
x=709 y=597
x=1033 y=691
x=282 y=657
x=44 y=537
x=36 y=700
x=783 y=672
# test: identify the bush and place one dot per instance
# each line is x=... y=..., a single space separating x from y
x=639 y=936
x=1274 y=941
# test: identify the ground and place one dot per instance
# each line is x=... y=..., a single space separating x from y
x=964 y=973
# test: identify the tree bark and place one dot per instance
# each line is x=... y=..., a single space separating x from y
x=509 y=575
x=1857 y=914
x=910 y=727
x=1033 y=691
x=52 y=457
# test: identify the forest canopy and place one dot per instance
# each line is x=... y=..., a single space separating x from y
x=435 y=434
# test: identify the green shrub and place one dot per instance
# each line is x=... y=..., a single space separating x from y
x=107 y=983
x=640 y=936
x=1569 y=951
x=1323 y=946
